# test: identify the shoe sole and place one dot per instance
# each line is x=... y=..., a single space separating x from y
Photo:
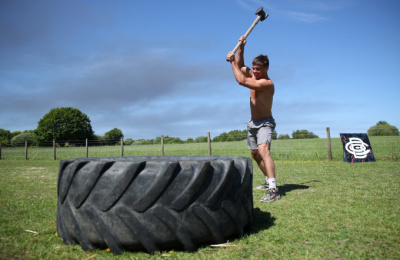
x=276 y=198
x=257 y=188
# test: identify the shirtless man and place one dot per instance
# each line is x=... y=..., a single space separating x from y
x=262 y=124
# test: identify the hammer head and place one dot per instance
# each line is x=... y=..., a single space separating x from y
x=260 y=12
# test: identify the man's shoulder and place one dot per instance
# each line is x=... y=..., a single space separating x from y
x=267 y=81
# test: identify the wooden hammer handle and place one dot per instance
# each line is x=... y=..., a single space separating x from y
x=247 y=33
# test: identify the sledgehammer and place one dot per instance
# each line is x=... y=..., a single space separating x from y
x=261 y=16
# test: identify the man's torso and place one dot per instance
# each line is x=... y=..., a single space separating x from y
x=261 y=103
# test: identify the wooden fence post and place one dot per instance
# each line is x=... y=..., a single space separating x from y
x=328 y=133
x=87 y=149
x=122 y=146
x=162 y=145
x=209 y=143
x=54 y=149
x=26 y=150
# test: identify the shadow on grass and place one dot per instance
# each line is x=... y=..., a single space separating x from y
x=261 y=221
x=289 y=187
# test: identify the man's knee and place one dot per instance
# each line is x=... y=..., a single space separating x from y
x=255 y=154
x=263 y=150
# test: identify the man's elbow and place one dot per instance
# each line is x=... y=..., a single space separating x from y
x=241 y=81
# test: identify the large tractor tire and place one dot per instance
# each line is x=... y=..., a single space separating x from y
x=153 y=203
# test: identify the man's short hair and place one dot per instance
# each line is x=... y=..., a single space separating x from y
x=261 y=60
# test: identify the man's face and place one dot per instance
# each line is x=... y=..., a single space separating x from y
x=259 y=71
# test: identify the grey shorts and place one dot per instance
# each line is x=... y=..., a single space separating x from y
x=260 y=132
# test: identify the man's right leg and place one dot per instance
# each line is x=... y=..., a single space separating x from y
x=260 y=162
x=266 y=160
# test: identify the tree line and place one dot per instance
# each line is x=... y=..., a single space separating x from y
x=67 y=123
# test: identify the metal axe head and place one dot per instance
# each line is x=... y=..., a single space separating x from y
x=260 y=12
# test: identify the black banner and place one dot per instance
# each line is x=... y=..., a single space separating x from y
x=357 y=148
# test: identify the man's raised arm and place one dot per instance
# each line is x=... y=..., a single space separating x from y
x=240 y=53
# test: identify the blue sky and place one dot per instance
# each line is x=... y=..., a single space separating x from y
x=154 y=68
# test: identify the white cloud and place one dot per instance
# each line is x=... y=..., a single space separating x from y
x=304 y=17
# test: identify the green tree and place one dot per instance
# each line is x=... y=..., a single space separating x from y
x=146 y=141
x=157 y=140
x=128 y=141
x=303 y=134
x=237 y=135
x=100 y=140
x=201 y=139
x=65 y=123
x=172 y=140
x=5 y=136
x=113 y=136
x=382 y=128
x=382 y=123
x=285 y=136
x=20 y=139
x=221 y=138
x=18 y=132
x=234 y=135
x=274 y=135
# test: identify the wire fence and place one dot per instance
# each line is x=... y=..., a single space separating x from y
x=384 y=148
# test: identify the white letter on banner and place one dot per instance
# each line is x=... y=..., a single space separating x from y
x=357 y=147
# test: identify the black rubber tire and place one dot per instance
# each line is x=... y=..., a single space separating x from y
x=153 y=203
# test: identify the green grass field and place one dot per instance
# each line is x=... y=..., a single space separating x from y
x=328 y=210
x=384 y=148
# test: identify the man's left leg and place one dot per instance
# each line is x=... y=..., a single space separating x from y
x=267 y=162
x=272 y=194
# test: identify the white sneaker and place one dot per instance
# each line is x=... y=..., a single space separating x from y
x=264 y=186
